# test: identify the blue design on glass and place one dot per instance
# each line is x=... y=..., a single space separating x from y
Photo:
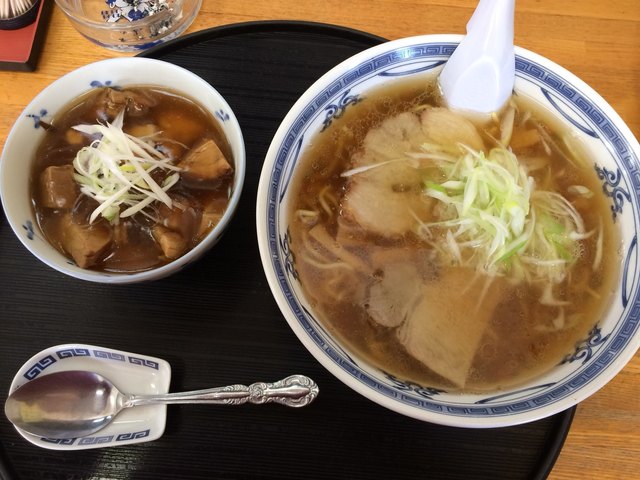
x=570 y=119
x=37 y=118
x=289 y=257
x=611 y=187
x=99 y=84
x=407 y=386
x=629 y=271
x=336 y=110
x=136 y=15
x=222 y=115
x=28 y=226
x=133 y=10
x=401 y=73
x=585 y=348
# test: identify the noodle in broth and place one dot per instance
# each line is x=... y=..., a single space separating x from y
x=452 y=254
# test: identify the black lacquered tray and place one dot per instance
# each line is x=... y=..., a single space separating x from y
x=216 y=323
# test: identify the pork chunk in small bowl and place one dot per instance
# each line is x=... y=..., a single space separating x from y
x=123 y=170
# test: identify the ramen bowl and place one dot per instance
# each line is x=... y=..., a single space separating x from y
x=588 y=365
x=130 y=28
x=28 y=132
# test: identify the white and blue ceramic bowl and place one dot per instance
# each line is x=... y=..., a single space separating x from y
x=595 y=360
x=26 y=135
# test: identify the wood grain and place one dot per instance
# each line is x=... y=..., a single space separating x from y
x=597 y=40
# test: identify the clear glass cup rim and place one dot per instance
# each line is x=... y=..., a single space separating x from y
x=159 y=16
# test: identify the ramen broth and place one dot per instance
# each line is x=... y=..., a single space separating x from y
x=381 y=273
x=177 y=133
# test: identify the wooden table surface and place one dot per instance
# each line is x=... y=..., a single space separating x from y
x=588 y=37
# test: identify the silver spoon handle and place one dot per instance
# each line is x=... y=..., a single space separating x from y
x=293 y=391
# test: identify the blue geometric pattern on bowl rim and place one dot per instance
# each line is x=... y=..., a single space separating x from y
x=37 y=368
x=103 y=353
x=571 y=103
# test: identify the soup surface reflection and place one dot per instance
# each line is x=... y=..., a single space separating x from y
x=466 y=256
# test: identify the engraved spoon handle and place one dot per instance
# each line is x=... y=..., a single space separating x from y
x=293 y=391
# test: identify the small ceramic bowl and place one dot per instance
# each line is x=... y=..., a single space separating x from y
x=596 y=358
x=119 y=26
x=130 y=372
x=27 y=133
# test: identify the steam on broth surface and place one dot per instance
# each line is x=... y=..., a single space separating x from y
x=127 y=180
x=456 y=255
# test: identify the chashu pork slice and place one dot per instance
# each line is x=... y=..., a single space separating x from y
x=393 y=298
x=385 y=199
x=446 y=326
x=377 y=207
x=401 y=274
x=388 y=199
x=392 y=138
x=442 y=126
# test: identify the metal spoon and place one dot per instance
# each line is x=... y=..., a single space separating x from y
x=77 y=403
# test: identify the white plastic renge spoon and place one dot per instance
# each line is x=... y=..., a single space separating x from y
x=480 y=74
x=77 y=403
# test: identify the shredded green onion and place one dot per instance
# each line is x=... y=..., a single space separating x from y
x=496 y=220
x=116 y=170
